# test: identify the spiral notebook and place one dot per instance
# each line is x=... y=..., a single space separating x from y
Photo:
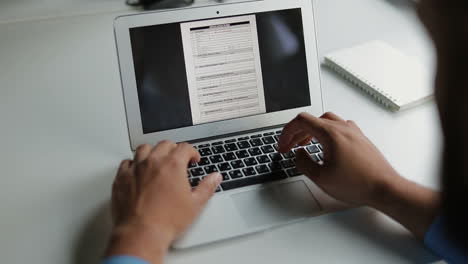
x=394 y=79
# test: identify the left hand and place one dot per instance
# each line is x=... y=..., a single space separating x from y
x=153 y=202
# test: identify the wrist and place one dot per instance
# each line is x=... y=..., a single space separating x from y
x=385 y=191
x=409 y=203
x=139 y=240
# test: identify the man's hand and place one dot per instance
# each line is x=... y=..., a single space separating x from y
x=355 y=172
x=152 y=201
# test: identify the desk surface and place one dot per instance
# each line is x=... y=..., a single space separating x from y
x=64 y=132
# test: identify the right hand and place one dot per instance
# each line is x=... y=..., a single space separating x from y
x=354 y=170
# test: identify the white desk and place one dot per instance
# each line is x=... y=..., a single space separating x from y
x=63 y=132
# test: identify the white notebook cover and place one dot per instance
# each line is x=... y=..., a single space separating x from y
x=391 y=77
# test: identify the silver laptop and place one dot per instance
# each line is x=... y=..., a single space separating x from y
x=226 y=78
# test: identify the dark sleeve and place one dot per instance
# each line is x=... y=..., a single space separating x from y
x=437 y=240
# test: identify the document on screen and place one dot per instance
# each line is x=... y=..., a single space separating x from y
x=222 y=60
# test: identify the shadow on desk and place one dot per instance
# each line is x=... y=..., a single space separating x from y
x=93 y=237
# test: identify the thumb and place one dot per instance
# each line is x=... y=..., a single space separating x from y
x=206 y=189
x=308 y=166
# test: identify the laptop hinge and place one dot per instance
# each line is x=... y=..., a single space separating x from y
x=235 y=134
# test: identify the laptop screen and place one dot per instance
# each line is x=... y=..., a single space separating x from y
x=198 y=72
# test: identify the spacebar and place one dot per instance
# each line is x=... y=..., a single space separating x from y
x=264 y=178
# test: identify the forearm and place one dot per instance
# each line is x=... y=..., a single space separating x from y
x=410 y=204
x=142 y=243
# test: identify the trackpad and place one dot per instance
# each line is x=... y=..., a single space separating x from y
x=276 y=204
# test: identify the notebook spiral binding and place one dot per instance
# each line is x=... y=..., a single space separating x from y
x=340 y=70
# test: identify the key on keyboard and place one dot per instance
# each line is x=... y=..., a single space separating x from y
x=287 y=163
x=268 y=149
x=197 y=172
x=264 y=178
x=275 y=166
x=322 y=157
x=230 y=147
x=315 y=158
x=205 y=152
x=224 y=166
x=210 y=169
x=204 y=161
x=255 y=151
x=250 y=161
x=289 y=155
x=293 y=172
x=276 y=157
x=236 y=174
x=241 y=154
x=194 y=182
x=268 y=140
x=237 y=164
x=249 y=171
x=218 y=149
x=313 y=149
x=225 y=176
x=229 y=156
x=263 y=159
x=262 y=169
x=243 y=145
x=216 y=159
x=276 y=147
x=256 y=142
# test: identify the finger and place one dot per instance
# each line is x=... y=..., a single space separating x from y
x=306 y=141
x=309 y=167
x=332 y=116
x=124 y=175
x=186 y=153
x=125 y=165
x=121 y=188
x=162 y=149
x=142 y=152
x=299 y=137
x=289 y=131
x=120 y=176
x=206 y=189
x=303 y=123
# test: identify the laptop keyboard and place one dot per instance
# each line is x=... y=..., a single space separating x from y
x=248 y=160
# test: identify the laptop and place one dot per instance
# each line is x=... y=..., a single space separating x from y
x=227 y=78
